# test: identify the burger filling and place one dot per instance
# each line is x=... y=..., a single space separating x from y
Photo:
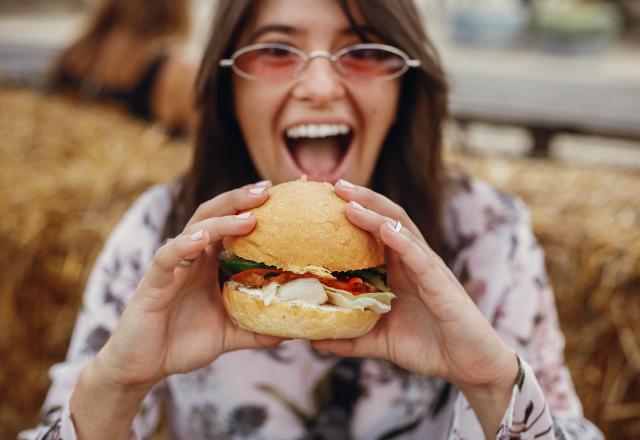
x=361 y=289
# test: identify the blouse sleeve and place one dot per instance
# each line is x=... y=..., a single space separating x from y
x=500 y=254
x=113 y=279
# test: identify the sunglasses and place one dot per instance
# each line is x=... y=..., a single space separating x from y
x=281 y=61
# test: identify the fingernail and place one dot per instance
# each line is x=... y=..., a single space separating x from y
x=197 y=236
x=357 y=206
x=257 y=191
x=263 y=183
x=345 y=184
x=395 y=227
x=244 y=216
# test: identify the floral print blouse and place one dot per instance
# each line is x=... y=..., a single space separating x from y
x=295 y=392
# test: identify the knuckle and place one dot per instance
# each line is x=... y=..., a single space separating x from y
x=158 y=254
x=191 y=229
x=201 y=209
x=368 y=195
x=237 y=197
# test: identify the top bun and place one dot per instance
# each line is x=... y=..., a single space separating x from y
x=303 y=224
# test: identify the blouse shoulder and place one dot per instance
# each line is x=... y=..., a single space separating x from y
x=145 y=219
x=473 y=208
x=131 y=244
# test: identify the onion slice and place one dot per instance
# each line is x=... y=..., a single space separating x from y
x=379 y=302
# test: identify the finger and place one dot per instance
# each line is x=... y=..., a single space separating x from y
x=218 y=227
x=232 y=202
x=376 y=202
x=168 y=257
x=369 y=345
x=240 y=339
x=338 y=347
x=262 y=183
x=371 y=221
x=192 y=242
x=438 y=288
x=397 y=276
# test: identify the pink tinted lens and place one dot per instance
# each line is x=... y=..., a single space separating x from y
x=371 y=63
x=268 y=62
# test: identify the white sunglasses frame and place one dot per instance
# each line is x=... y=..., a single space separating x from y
x=307 y=57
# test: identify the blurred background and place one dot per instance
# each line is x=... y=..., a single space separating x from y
x=545 y=105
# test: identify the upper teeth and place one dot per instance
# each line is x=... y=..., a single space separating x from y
x=317 y=130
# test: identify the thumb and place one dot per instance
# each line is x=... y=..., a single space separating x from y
x=364 y=346
x=339 y=347
x=241 y=339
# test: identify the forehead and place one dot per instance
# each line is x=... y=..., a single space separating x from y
x=306 y=16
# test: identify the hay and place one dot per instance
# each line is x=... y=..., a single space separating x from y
x=67 y=174
x=588 y=221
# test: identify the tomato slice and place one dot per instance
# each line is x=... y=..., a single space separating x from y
x=255 y=277
x=354 y=285
x=262 y=277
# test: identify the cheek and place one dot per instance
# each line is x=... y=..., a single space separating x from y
x=382 y=104
x=249 y=101
x=242 y=100
x=380 y=117
x=379 y=111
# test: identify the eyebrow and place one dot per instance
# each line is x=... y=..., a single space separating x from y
x=292 y=30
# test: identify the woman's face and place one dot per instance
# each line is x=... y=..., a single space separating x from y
x=277 y=117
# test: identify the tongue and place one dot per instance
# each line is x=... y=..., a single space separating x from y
x=317 y=157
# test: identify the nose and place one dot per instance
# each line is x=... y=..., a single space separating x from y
x=319 y=82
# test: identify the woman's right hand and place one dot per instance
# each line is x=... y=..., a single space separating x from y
x=176 y=322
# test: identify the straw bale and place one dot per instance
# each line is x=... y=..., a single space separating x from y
x=68 y=172
x=588 y=221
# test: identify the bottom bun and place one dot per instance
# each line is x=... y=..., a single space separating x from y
x=292 y=320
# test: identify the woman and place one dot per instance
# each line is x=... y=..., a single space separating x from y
x=133 y=56
x=441 y=364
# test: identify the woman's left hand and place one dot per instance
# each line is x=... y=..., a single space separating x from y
x=434 y=328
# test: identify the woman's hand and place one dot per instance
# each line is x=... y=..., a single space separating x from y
x=433 y=328
x=176 y=322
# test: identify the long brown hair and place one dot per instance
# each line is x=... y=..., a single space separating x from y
x=409 y=169
x=145 y=19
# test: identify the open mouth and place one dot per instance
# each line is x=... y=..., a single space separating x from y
x=319 y=150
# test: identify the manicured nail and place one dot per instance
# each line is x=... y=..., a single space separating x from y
x=244 y=216
x=257 y=191
x=345 y=184
x=263 y=183
x=357 y=206
x=198 y=235
x=395 y=227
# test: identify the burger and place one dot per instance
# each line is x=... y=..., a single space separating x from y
x=305 y=271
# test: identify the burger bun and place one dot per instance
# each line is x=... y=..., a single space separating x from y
x=296 y=320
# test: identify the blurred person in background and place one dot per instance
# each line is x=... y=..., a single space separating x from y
x=133 y=56
x=468 y=273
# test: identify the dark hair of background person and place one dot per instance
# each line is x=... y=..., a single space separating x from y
x=409 y=169
x=148 y=20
